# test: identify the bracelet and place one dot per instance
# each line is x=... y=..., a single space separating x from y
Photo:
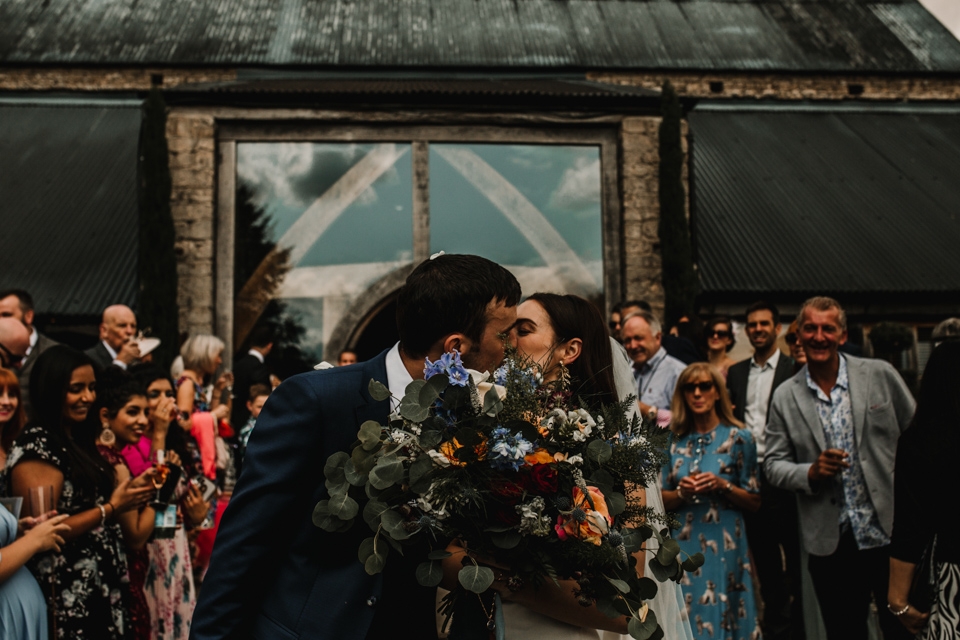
x=680 y=494
x=728 y=488
x=103 y=514
x=898 y=613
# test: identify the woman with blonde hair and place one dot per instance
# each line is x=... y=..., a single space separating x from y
x=710 y=478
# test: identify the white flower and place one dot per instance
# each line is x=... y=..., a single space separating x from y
x=481 y=381
x=438 y=458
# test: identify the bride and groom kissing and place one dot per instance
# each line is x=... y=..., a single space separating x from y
x=273 y=574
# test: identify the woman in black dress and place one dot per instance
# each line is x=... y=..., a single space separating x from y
x=86 y=583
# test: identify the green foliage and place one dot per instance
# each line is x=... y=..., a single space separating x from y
x=679 y=278
x=157 y=308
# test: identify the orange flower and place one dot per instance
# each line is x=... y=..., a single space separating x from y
x=449 y=449
x=540 y=456
x=596 y=522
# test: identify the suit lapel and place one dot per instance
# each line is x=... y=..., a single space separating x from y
x=859 y=392
x=808 y=410
x=370 y=409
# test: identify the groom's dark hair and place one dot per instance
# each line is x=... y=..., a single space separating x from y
x=449 y=294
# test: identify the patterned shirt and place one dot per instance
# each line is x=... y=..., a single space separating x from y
x=836 y=416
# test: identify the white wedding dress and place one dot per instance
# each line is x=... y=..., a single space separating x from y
x=523 y=624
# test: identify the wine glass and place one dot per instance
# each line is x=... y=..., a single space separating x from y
x=161 y=471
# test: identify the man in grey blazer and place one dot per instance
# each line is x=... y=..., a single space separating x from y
x=832 y=438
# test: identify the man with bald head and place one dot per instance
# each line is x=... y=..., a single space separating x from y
x=117 y=347
x=14 y=342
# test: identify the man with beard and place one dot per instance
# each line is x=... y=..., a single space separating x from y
x=273 y=573
x=831 y=439
x=771 y=531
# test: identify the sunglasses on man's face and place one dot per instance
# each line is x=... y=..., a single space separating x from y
x=691 y=387
x=10 y=359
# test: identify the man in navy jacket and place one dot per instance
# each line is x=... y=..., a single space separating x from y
x=273 y=574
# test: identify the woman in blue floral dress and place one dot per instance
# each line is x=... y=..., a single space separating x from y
x=709 y=480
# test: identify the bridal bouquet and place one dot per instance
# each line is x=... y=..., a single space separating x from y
x=521 y=473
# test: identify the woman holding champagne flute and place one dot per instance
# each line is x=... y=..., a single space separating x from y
x=86 y=582
x=122 y=409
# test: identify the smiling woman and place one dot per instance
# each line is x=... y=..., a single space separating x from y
x=58 y=449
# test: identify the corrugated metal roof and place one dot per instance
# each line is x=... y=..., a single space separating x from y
x=68 y=201
x=711 y=35
x=811 y=200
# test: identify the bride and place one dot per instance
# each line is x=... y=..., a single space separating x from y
x=565 y=330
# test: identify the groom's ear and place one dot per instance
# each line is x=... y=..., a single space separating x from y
x=456 y=341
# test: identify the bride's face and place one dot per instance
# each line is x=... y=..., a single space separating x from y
x=535 y=337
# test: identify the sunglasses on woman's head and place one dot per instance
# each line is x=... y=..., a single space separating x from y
x=690 y=387
x=716 y=333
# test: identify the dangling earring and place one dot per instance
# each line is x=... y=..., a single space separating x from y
x=107 y=437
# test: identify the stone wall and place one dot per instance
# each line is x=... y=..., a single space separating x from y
x=106 y=78
x=792 y=87
x=191 y=139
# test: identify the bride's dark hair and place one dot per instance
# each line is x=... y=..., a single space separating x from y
x=574 y=317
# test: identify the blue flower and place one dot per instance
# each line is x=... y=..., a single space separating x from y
x=506 y=452
x=450 y=365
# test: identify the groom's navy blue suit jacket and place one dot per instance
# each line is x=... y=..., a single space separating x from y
x=276 y=576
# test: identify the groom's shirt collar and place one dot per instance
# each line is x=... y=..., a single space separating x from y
x=397 y=376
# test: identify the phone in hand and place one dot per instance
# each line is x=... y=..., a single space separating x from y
x=207 y=486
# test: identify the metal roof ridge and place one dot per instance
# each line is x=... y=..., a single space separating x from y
x=845 y=106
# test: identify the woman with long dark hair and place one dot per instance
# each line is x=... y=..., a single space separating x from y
x=923 y=511
x=86 y=583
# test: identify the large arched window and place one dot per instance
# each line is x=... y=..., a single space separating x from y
x=326 y=229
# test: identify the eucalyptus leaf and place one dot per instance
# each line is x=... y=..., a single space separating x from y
x=363 y=460
x=507 y=539
x=336 y=488
x=372 y=512
x=647 y=589
x=375 y=563
x=429 y=439
x=693 y=563
x=616 y=503
x=599 y=451
x=351 y=475
x=661 y=572
x=643 y=630
x=419 y=471
x=413 y=389
x=370 y=435
x=387 y=472
x=343 y=506
x=413 y=412
x=429 y=574
x=438 y=554
x=492 y=404
x=333 y=469
x=323 y=519
x=430 y=392
x=668 y=551
x=378 y=391
x=475 y=579
x=620 y=585
x=393 y=523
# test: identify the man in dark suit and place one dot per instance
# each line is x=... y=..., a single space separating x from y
x=248 y=370
x=772 y=530
x=118 y=326
x=273 y=574
x=17 y=303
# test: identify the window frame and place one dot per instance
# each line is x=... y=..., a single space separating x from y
x=229 y=133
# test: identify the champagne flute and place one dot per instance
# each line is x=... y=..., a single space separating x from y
x=161 y=471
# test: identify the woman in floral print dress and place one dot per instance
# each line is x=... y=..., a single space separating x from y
x=85 y=585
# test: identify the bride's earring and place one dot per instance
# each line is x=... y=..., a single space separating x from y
x=107 y=437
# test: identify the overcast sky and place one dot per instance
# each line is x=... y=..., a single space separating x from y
x=947 y=11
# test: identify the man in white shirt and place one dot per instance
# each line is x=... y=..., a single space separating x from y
x=118 y=326
x=18 y=304
x=772 y=531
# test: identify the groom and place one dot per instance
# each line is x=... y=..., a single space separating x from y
x=274 y=575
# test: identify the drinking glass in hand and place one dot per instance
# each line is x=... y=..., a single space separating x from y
x=40 y=500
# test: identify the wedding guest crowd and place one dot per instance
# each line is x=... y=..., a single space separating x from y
x=802 y=450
